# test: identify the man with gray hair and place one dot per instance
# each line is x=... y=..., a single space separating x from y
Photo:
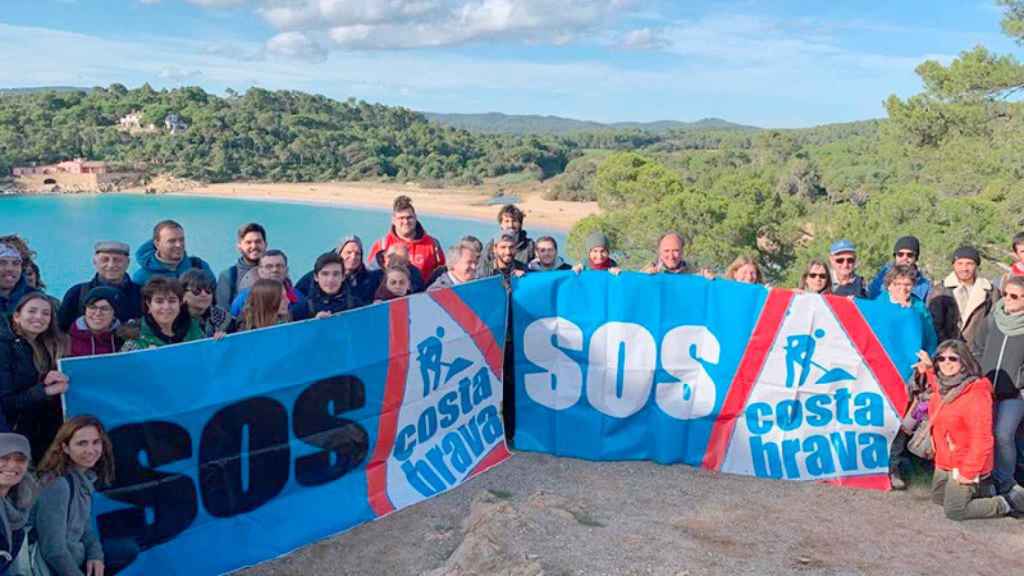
x=110 y=260
x=463 y=259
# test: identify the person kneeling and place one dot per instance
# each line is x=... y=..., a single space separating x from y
x=960 y=413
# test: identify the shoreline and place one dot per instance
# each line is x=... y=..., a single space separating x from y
x=459 y=203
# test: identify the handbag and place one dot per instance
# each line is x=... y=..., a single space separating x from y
x=920 y=443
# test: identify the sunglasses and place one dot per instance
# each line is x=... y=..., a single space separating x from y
x=196 y=291
x=850 y=260
x=818 y=275
x=905 y=254
x=947 y=359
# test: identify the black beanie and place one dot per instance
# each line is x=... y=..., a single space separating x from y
x=102 y=293
x=908 y=243
x=969 y=252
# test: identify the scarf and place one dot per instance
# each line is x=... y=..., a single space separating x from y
x=1009 y=324
x=950 y=386
x=384 y=294
x=1017 y=269
x=608 y=263
x=17 y=505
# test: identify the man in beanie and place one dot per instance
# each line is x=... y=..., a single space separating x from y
x=597 y=255
x=110 y=260
x=12 y=282
x=907 y=251
x=962 y=303
x=503 y=258
x=845 y=280
x=18 y=491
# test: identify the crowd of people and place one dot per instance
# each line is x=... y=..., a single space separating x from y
x=965 y=395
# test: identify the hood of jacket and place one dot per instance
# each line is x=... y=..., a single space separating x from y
x=145 y=257
x=976 y=296
x=80 y=331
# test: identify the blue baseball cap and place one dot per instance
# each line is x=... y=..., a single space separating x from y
x=840 y=246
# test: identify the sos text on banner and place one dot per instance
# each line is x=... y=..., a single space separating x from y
x=728 y=376
x=232 y=452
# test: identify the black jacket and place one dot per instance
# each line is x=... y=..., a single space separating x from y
x=25 y=407
x=855 y=288
x=316 y=301
x=1001 y=358
x=128 y=305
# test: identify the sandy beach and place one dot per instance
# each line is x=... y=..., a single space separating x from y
x=458 y=202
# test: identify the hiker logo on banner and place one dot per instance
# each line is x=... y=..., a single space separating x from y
x=447 y=424
x=815 y=410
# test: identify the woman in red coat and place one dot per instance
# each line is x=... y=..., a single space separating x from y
x=960 y=411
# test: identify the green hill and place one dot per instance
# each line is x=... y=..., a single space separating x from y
x=497 y=123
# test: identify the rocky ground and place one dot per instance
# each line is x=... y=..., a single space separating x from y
x=537 y=514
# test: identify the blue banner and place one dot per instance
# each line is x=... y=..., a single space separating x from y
x=728 y=376
x=235 y=451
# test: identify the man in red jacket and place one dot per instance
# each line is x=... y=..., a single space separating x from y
x=425 y=252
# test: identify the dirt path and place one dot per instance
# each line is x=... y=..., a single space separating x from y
x=538 y=514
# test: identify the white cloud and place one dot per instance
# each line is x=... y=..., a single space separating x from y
x=296 y=45
x=387 y=24
x=215 y=3
x=644 y=39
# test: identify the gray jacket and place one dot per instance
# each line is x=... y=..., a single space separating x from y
x=63 y=524
x=232 y=281
x=1001 y=358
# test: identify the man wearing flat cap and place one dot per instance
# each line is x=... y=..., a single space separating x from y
x=110 y=259
x=964 y=300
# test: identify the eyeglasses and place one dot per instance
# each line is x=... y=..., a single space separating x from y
x=850 y=260
x=1013 y=296
x=818 y=275
x=196 y=290
x=951 y=359
x=905 y=254
x=100 y=309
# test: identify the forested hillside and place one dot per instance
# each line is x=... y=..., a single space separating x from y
x=497 y=123
x=282 y=136
x=946 y=165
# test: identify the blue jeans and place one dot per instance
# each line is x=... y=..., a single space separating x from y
x=1009 y=414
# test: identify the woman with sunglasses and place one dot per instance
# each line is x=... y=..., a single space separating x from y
x=165 y=319
x=199 y=286
x=817 y=278
x=95 y=332
x=1000 y=345
x=960 y=415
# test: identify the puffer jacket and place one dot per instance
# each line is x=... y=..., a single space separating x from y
x=318 y=301
x=149 y=266
x=962 y=428
x=26 y=409
x=85 y=342
x=425 y=252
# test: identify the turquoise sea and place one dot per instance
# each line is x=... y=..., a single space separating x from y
x=63 y=229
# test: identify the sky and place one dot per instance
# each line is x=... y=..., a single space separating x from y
x=779 y=64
